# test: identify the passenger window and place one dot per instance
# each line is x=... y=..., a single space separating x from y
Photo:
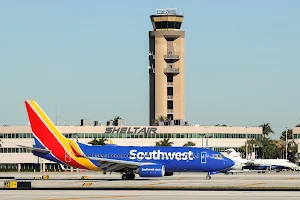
x=217 y=156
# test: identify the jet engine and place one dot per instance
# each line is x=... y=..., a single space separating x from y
x=151 y=171
x=169 y=173
x=237 y=166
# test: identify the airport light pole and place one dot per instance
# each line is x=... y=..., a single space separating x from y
x=246 y=143
x=254 y=150
x=286 y=144
x=206 y=137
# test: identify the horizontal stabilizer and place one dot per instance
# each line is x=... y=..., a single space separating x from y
x=36 y=149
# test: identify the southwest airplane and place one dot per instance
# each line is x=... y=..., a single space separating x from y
x=145 y=161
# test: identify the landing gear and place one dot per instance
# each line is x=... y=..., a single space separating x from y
x=208 y=177
x=128 y=176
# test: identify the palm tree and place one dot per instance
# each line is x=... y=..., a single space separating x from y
x=115 y=121
x=165 y=142
x=252 y=145
x=289 y=134
x=266 y=129
x=280 y=144
x=159 y=119
x=189 y=144
x=98 y=142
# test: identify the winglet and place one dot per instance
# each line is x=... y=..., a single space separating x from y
x=76 y=149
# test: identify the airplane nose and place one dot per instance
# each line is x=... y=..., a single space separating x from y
x=229 y=162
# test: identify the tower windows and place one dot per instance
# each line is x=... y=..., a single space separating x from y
x=170 y=91
x=169 y=78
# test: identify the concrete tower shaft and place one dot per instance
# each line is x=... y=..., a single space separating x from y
x=166 y=66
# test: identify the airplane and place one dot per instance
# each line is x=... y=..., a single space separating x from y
x=146 y=161
x=259 y=164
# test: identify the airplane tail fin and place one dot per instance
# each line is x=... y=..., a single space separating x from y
x=44 y=131
x=48 y=137
x=233 y=154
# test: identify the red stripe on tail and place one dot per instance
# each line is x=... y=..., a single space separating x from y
x=42 y=132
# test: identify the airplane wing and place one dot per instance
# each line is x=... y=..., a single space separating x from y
x=250 y=162
x=36 y=149
x=114 y=165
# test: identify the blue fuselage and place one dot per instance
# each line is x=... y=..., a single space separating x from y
x=174 y=159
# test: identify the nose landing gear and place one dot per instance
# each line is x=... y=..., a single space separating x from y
x=208 y=177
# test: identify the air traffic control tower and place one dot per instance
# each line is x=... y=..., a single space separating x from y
x=166 y=65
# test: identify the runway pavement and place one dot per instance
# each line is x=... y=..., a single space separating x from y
x=103 y=186
x=177 y=181
x=146 y=195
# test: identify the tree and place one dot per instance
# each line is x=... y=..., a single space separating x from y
x=280 y=144
x=251 y=144
x=98 y=142
x=189 y=144
x=291 y=145
x=289 y=134
x=159 y=119
x=164 y=142
x=270 y=150
x=292 y=150
x=265 y=148
x=221 y=125
x=115 y=121
x=266 y=129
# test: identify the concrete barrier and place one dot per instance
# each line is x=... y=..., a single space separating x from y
x=7 y=177
x=10 y=184
x=21 y=184
x=45 y=177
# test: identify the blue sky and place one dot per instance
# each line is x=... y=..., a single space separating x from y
x=89 y=59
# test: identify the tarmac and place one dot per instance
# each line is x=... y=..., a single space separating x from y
x=70 y=185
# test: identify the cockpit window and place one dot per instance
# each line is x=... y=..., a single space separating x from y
x=219 y=156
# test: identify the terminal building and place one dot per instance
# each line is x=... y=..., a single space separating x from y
x=166 y=100
x=218 y=138
x=296 y=135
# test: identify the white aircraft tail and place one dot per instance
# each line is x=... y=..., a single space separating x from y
x=234 y=155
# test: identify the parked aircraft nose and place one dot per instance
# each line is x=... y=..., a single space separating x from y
x=228 y=162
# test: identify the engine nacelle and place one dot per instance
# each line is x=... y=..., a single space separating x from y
x=237 y=166
x=169 y=173
x=151 y=171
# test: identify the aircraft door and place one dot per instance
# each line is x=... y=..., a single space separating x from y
x=67 y=156
x=203 y=157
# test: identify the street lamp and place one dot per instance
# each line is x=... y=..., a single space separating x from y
x=202 y=138
x=206 y=137
x=286 y=144
x=246 y=143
